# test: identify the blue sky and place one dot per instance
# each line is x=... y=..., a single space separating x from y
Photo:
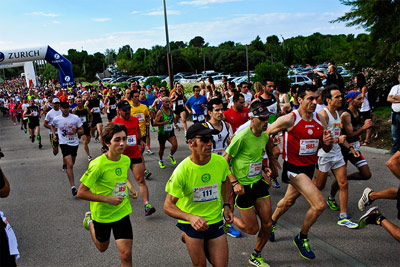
x=98 y=25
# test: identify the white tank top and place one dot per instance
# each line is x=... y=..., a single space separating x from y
x=365 y=105
x=334 y=126
x=220 y=140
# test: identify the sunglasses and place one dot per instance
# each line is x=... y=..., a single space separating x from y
x=204 y=138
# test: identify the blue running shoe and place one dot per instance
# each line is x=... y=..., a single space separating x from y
x=304 y=248
x=233 y=232
x=272 y=235
x=275 y=183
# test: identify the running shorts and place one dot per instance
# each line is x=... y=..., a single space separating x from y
x=67 y=150
x=214 y=230
x=122 y=229
x=291 y=169
x=252 y=192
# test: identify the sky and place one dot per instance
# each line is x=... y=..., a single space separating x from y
x=97 y=25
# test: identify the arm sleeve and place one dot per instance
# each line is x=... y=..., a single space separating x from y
x=91 y=175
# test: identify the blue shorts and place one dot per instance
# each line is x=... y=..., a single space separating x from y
x=214 y=230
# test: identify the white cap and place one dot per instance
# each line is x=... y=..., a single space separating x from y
x=114 y=88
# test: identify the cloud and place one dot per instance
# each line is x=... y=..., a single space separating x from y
x=40 y=13
x=206 y=2
x=56 y=22
x=161 y=12
x=135 y=12
x=101 y=19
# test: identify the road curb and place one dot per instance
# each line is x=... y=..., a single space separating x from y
x=374 y=150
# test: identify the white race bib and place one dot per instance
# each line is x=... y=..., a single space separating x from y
x=96 y=110
x=120 y=189
x=356 y=145
x=71 y=139
x=255 y=169
x=200 y=118
x=308 y=147
x=140 y=116
x=34 y=113
x=205 y=193
x=83 y=119
x=112 y=107
x=180 y=102
x=131 y=140
x=219 y=151
x=272 y=109
x=168 y=128
x=336 y=130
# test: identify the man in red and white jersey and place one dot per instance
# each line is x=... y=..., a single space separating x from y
x=305 y=133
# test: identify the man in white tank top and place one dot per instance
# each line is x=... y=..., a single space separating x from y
x=333 y=160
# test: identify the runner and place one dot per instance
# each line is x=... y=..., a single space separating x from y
x=141 y=112
x=269 y=100
x=85 y=116
x=221 y=139
x=104 y=185
x=67 y=126
x=110 y=104
x=333 y=160
x=304 y=134
x=32 y=112
x=135 y=144
x=237 y=114
x=178 y=98
x=199 y=214
x=96 y=106
x=196 y=105
x=352 y=127
x=245 y=154
x=143 y=100
x=22 y=107
x=48 y=121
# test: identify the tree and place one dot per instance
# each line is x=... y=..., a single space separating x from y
x=110 y=56
x=197 y=41
x=276 y=72
x=382 y=20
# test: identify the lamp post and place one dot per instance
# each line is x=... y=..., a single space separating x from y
x=171 y=78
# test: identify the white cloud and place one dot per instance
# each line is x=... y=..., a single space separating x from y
x=40 y=13
x=161 y=12
x=135 y=12
x=56 y=22
x=206 y=2
x=101 y=19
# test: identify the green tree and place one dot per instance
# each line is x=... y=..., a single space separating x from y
x=276 y=72
x=197 y=41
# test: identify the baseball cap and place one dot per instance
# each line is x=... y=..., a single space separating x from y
x=64 y=104
x=56 y=100
x=124 y=105
x=148 y=86
x=352 y=95
x=258 y=110
x=199 y=129
x=114 y=88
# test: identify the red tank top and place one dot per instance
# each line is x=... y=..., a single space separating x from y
x=301 y=143
x=132 y=125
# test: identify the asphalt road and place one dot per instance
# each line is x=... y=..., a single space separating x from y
x=48 y=220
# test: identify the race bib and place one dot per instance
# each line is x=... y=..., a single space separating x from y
x=96 y=110
x=112 y=107
x=168 y=128
x=140 y=116
x=205 y=193
x=336 y=130
x=218 y=151
x=71 y=139
x=272 y=109
x=83 y=119
x=34 y=113
x=131 y=140
x=120 y=189
x=356 y=145
x=255 y=169
x=308 y=147
x=200 y=118
x=180 y=102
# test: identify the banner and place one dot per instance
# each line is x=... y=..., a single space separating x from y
x=63 y=65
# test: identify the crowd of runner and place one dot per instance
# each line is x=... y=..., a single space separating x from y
x=234 y=142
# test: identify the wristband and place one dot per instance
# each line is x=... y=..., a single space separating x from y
x=227 y=204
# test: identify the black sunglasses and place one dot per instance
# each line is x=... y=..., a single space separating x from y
x=204 y=138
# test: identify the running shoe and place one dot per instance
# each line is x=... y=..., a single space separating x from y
x=74 y=191
x=148 y=151
x=40 y=145
x=272 y=235
x=257 y=261
x=97 y=140
x=147 y=174
x=161 y=163
x=331 y=202
x=149 y=209
x=64 y=168
x=89 y=158
x=346 y=222
x=275 y=183
x=303 y=247
x=233 y=232
x=372 y=216
x=87 y=220
x=365 y=200
x=173 y=161
x=33 y=138
x=22 y=128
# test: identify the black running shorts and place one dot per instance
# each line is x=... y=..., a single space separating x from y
x=252 y=192
x=122 y=229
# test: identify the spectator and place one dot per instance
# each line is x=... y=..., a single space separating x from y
x=394 y=98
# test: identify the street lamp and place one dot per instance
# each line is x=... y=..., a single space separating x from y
x=171 y=78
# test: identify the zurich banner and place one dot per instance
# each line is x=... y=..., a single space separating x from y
x=63 y=65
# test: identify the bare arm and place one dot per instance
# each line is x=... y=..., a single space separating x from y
x=282 y=123
x=158 y=120
x=5 y=190
x=348 y=127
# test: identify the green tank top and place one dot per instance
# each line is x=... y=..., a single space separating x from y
x=168 y=128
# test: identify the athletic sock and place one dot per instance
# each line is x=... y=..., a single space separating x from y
x=257 y=253
x=146 y=202
x=39 y=138
x=301 y=236
x=330 y=197
x=171 y=155
x=342 y=216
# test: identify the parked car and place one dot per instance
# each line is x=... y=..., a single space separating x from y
x=107 y=80
x=299 y=79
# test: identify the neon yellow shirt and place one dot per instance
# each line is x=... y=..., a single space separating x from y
x=108 y=178
x=198 y=187
x=141 y=112
x=248 y=152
